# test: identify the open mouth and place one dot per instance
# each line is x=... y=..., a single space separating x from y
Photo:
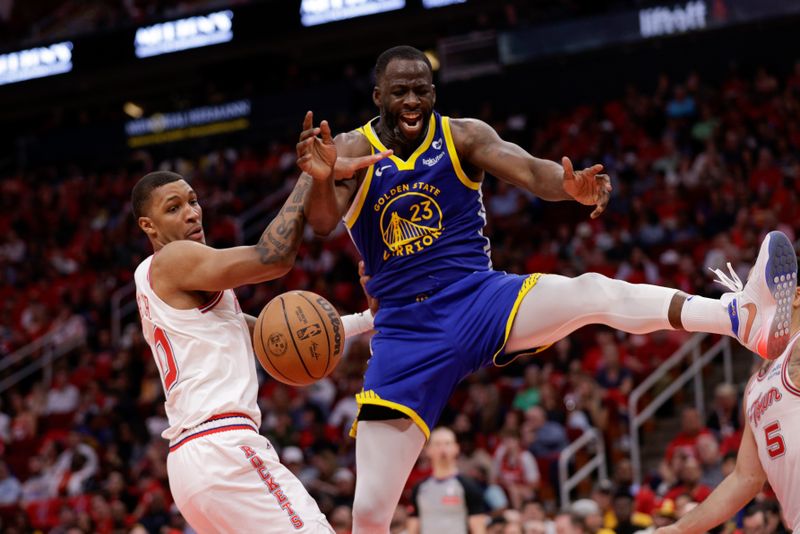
x=411 y=123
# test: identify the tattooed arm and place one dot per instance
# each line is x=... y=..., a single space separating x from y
x=481 y=149
x=190 y=266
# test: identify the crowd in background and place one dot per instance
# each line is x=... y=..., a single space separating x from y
x=701 y=171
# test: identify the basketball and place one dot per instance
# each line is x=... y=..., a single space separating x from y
x=298 y=338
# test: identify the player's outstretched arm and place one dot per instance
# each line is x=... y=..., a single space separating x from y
x=191 y=266
x=729 y=497
x=479 y=144
x=333 y=163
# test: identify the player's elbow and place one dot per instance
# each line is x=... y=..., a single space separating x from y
x=274 y=264
x=322 y=226
x=281 y=266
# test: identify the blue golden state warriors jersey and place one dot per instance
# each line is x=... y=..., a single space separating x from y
x=418 y=223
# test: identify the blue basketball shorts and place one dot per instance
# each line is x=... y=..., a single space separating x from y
x=423 y=349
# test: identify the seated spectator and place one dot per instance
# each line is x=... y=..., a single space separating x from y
x=10 y=488
x=534 y=519
x=550 y=437
x=754 y=521
x=616 y=379
x=589 y=512
x=625 y=519
x=341 y=520
x=569 y=523
x=528 y=395
x=691 y=429
x=724 y=418
x=74 y=466
x=63 y=397
x=40 y=483
x=774 y=516
x=710 y=460
x=664 y=514
x=516 y=469
x=689 y=482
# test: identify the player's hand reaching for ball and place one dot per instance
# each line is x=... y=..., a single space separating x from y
x=316 y=156
x=587 y=186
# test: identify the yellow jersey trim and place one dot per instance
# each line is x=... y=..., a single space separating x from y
x=370 y=397
x=451 y=149
x=361 y=197
x=407 y=165
x=527 y=285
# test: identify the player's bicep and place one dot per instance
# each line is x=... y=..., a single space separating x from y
x=190 y=266
x=479 y=144
x=350 y=145
x=345 y=191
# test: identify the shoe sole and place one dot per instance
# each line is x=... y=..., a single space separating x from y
x=781 y=279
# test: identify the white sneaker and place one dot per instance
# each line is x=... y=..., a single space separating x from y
x=761 y=311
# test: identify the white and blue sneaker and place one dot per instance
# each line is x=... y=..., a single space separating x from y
x=761 y=310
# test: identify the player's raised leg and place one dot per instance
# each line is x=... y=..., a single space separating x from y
x=757 y=314
x=386 y=451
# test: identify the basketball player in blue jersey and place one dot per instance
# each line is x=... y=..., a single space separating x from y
x=417 y=220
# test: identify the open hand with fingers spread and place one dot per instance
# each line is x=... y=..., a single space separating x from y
x=317 y=157
x=587 y=186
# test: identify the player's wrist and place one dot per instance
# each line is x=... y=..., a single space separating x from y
x=357 y=323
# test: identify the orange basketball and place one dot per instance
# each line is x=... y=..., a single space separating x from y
x=298 y=338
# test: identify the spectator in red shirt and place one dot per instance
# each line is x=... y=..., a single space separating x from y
x=691 y=429
x=689 y=482
x=516 y=469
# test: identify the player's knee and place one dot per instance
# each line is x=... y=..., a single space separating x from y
x=370 y=517
x=600 y=290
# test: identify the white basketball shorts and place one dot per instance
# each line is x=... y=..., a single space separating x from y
x=226 y=478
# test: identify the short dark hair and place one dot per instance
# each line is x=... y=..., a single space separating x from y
x=140 y=195
x=754 y=509
x=399 y=52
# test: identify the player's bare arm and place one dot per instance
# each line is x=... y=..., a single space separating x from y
x=730 y=496
x=794 y=364
x=482 y=149
x=332 y=192
x=186 y=266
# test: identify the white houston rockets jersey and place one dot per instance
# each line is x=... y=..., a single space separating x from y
x=205 y=356
x=773 y=413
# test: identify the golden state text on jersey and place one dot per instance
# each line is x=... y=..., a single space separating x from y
x=418 y=223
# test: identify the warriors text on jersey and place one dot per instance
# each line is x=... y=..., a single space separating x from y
x=418 y=223
x=773 y=413
x=204 y=355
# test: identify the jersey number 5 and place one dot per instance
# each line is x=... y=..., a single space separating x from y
x=166 y=359
x=775 y=445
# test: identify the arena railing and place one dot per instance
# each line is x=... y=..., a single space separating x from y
x=41 y=354
x=690 y=351
x=591 y=436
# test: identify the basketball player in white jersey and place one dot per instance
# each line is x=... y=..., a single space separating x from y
x=224 y=476
x=770 y=449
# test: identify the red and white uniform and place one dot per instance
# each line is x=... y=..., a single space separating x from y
x=773 y=413
x=224 y=476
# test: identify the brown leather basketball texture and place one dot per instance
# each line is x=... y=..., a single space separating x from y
x=298 y=338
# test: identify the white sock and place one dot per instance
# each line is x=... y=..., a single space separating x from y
x=357 y=323
x=386 y=451
x=701 y=314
